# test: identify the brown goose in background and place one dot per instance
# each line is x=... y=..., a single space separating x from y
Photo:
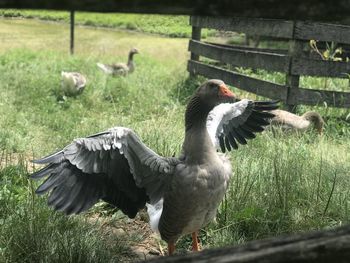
x=182 y=194
x=73 y=83
x=289 y=121
x=120 y=69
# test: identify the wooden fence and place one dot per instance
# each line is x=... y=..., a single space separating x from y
x=294 y=62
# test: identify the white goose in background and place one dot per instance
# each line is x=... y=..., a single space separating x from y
x=73 y=83
x=291 y=122
x=120 y=69
x=182 y=193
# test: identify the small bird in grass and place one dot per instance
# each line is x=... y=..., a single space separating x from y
x=73 y=83
x=182 y=193
x=291 y=122
x=120 y=69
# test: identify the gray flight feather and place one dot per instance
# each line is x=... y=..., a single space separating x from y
x=113 y=165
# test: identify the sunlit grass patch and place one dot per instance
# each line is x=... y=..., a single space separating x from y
x=32 y=232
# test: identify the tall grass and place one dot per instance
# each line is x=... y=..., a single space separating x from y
x=292 y=185
x=281 y=183
x=31 y=232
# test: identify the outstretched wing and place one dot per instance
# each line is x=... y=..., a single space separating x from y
x=114 y=166
x=231 y=123
x=105 y=68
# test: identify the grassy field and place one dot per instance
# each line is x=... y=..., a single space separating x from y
x=281 y=183
x=172 y=26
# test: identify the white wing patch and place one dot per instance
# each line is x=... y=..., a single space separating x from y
x=119 y=135
x=154 y=212
x=115 y=140
x=221 y=115
x=106 y=69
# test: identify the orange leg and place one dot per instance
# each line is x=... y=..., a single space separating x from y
x=171 y=248
x=195 y=244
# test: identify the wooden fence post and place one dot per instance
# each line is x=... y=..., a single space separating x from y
x=292 y=81
x=72 y=32
x=196 y=35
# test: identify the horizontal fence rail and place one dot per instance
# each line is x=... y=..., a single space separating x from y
x=276 y=28
x=322 y=32
x=244 y=58
x=318 y=97
x=320 y=68
x=266 y=50
x=257 y=86
x=269 y=59
x=263 y=27
x=271 y=90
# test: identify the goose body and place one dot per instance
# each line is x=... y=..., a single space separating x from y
x=73 y=83
x=181 y=193
x=289 y=121
x=120 y=69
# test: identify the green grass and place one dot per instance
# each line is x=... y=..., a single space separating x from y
x=31 y=232
x=169 y=25
x=281 y=183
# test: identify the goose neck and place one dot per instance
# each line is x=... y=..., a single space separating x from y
x=197 y=145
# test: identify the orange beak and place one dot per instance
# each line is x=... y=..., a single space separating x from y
x=225 y=92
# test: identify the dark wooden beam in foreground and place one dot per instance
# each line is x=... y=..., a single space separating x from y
x=327 y=246
x=317 y=10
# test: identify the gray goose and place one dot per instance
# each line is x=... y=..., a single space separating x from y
x=73 y=83
x=289 y=121
x=181 y=193
x=120 y=69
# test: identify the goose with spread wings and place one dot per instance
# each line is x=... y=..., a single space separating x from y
x=181 y=193
x=120 y=69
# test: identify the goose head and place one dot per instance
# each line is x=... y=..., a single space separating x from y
x=133 y=51
x=210 y=94
x=316 y=119
x=213 y=92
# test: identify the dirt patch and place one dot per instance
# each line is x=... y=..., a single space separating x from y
x=143 y=242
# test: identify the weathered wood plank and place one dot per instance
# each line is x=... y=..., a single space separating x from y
x=319 y=10
x=322 y=32
x=319 y=97
x=315 y=247
x=313 y=67
x=196 y=35
x=243 y=58
x=261 y=27
x=259 y=87
x=292 y=80
x=240 y=47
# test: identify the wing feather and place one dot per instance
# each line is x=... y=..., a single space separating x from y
x=229 y=123
x=114 y=166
